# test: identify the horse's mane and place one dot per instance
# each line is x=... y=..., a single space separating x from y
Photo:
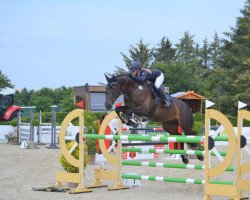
x=123 y=74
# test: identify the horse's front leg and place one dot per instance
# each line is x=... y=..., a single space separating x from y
x=130 y=116
x=138 y=113
x=121 y=111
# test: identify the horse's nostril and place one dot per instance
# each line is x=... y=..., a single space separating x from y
x=108 y=106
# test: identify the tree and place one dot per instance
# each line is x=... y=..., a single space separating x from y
x=62 y=97
x=215 y=52
x=219 y=90
x=141 y=53
x=67 y=104
x=23 y=97
x=240 y=49
x=165 y=52
x=61 y=94
x=178 y=77
x=43 y=99
x=46 y=92
x=65 y=99
x=42 y=103
x=205 y=55
x=5 y=81
x=186 y=52
x=236 y=59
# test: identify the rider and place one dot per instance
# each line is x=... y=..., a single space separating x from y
x=141 y=74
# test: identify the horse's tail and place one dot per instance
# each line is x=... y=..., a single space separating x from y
x=189 y=112
x=192 y=119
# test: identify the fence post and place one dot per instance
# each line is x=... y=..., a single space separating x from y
x=39 y=128
x=53 y=131
x=18 y=127
x=31 y=126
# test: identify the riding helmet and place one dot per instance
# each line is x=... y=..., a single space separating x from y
x=135 y=66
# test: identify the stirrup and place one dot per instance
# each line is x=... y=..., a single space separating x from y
x=167 y=103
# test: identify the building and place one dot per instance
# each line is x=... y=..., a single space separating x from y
x=193 y=99
x=94 y=98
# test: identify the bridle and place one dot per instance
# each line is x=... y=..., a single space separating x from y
x=110 y=85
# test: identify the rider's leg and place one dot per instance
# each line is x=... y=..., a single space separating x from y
x=158 y=85
x=158 y=81
x=164 y=95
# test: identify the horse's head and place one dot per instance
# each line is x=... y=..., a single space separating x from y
x=113 y=91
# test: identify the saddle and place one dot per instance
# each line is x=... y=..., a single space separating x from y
x=155 y=93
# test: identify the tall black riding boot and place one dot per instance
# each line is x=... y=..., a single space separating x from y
x=164 y=96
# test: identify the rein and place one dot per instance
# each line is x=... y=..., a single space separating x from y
x=124 y=86
x=122 y=89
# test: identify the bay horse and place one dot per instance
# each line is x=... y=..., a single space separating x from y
x=140 y=101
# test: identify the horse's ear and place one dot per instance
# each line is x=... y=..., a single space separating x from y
x=107 y=78
x=113 y=78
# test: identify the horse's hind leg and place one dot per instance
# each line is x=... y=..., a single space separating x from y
x=187 y=126
x=185 y=158
x=172 y=128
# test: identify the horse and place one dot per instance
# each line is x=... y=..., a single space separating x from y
x=140 y=101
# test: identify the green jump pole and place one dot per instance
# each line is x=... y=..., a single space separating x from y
x=169 y=165
x=148 y=138
x=174 y=180
x=186 y=139
x=168 y=151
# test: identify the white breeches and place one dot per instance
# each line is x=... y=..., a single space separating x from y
x=159 y=80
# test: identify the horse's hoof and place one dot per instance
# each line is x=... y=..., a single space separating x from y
x=144 y=119
x=185 y=159
x=201 y=158
x=133 y=124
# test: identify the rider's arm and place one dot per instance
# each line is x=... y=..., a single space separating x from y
x=142 y=77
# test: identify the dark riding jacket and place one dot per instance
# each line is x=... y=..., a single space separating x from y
x=144 y=75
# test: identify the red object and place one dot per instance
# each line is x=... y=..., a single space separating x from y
x=80 y=104
x=176 y=145
x=124 y=155
x=107 y=142
x=179 y=130
x=10 y=111
x=118 y=104
x=107 y=132
x=158 y=129
x=156 y=155
x=132 y=154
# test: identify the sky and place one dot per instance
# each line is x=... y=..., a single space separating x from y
x=54 y=43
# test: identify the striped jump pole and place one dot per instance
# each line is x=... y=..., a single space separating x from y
x=174 y=180
x=169 y=165
x=144 y=129
x=144 y=144
x=147 y=138
x=169 y=151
